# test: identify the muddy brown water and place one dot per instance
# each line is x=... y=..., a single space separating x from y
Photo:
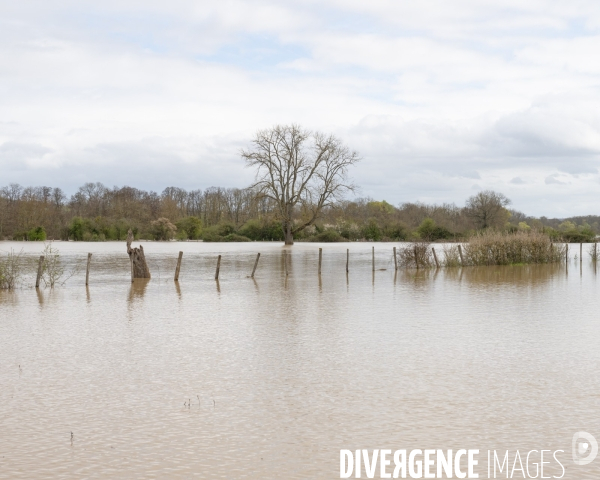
x=271 y=377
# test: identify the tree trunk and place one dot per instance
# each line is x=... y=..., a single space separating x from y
x=136 y=255
x=287 y=231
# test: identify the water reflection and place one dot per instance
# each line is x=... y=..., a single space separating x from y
x=40 y=296
x=137 y=289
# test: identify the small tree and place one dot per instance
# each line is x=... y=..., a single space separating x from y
x=301 y=171
x=487 y=208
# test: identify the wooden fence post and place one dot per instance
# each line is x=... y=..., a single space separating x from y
x=39 y=272
x=178 y=267
x=132 y=272
x=87 y=270
x=580 y=253
x=218 y=267
x=462 y=260
x=320 y=259
x=395 y=260
x=566 y=253
x=437 y=264
x=255 y=265
x=285 y=261
x=373 y=258
x=347 y=259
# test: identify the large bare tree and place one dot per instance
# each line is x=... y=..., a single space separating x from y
x=487 y=208
x=301 y=171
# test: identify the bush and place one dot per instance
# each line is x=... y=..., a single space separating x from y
x=267 y=230
x=395 y=231
x=431 y=232
x=415 y=255
x=10 y=270
x=37 y=234
x=189 y=228
x=163 y=229
x=348 y=230
x=216 y=232
x=496 y=248
x=234 y=237
x=327 y=236
x=371 y=230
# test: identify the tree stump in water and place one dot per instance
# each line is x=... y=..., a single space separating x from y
x=136 y=256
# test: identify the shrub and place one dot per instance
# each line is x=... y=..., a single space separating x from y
x=211 y=234
x=451 y=256
x=234 y=237
x=163 y=229
x=431 y=232
x=189 y=228
x=10 y=270
x=497 y=248
x=395 y=231
x=348 y=230
x=371 y=230
x=53 y=270
x=416 y=253
x=266 y=230
x=37 y=234
x=327 y=236
x=77 y=229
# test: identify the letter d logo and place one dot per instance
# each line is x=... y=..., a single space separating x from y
x=584 y=443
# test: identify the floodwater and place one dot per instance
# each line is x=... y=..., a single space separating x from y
x=268 y=378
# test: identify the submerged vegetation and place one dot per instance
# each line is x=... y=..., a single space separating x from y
x=10 y=270
x=487 y=247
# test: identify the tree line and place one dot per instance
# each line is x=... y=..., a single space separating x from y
x=98 y=213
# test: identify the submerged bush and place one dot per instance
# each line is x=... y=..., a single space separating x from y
x=53 y=269
x=327 y=236
x=486 y=248
x=496 y=248
x=234 y=237
x=10 y=270
x=415 y=255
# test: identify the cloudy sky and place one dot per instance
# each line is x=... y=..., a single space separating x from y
x=440 y=98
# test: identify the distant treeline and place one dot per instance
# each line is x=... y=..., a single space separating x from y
x=99 y=213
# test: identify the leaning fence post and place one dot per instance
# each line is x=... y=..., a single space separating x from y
x=39 y=272
x=416 y=257
x=178 y=267
x=87 y=270
x=395 y=260
x=462 y=260
x=255 y=265
x=373 y=258
x=347 y=258
x=320 y=259
x=218 y=267
x=437 y=264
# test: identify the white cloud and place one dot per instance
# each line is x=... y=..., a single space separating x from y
x=434 y=95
